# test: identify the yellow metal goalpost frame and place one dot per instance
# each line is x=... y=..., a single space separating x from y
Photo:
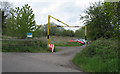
x=62 y=26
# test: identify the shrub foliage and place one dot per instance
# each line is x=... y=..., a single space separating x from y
x=100 y=56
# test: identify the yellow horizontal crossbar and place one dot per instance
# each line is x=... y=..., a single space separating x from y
x=67 y=26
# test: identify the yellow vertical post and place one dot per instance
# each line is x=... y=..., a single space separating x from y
x=85 y=35
x=48 y=32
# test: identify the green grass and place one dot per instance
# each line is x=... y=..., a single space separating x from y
x=24 y=46
x=70 y=44
x=22 y=49
x=100 y=56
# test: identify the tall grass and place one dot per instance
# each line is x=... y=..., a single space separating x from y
x=100 y=56
x=24 y=46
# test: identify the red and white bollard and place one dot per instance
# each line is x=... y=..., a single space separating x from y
x=51 y=47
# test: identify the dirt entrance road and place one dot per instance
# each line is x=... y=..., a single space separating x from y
x=41 y=62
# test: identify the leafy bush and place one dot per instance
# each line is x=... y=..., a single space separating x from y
x=100 y=56
x=24 y=46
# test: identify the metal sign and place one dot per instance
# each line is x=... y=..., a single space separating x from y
x=29 y=34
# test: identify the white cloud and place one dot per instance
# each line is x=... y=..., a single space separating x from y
x=51 y=8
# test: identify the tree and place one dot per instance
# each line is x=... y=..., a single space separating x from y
x=37 y=32
x=52 y=31
x=21 y=22
x=0 y=22
x=68 y=33
x=80 y=33
x=5 y=8
x=101 y=20
x=116 y=19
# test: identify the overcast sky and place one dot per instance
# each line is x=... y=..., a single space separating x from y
x=67 y=11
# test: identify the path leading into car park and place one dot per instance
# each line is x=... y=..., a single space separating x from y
x=41 y=62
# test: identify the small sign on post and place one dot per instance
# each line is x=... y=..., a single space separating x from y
x=29 y=35
x=51 y=47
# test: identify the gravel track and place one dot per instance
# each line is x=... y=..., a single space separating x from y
x=60 y=61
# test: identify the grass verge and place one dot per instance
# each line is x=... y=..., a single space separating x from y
x=100 y=56
x=24 y=46
x=70 y=44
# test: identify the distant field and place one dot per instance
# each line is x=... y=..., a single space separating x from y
x=57 y=40
x=60 y=41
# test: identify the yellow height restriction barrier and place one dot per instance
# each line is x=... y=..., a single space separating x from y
x=62 y=26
